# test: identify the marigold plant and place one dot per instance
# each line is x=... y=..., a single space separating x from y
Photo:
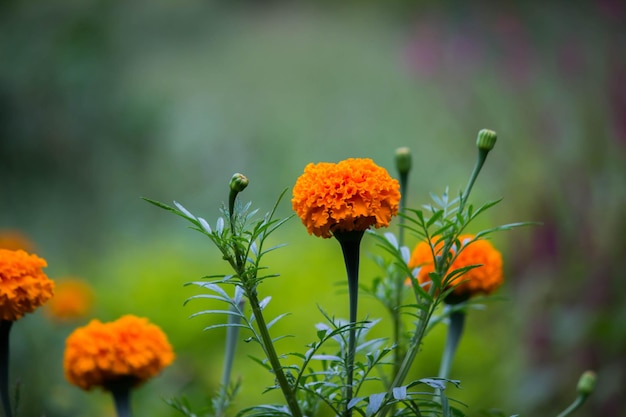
x=23 y=284
x=100 y=354
x=73 y=299
x=353 y=194
x=484 y=278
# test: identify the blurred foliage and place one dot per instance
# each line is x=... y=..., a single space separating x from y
x=107 y=101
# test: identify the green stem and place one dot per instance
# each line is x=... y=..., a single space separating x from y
x=232 y=196
x=480 y=161
x=232 y=334
x=270 y=352
x=399 y=284
x=121 y=397
x=5 y=328
x=455 y=331
x=413 y=349
x=580 y=400
x=350 y=245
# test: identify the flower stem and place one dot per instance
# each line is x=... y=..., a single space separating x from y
x=580 y=400
x=399 y=280
x=480 y=161
x=270 y=352
x=121 y=397
x=232 y=333
x=5 y=328
x=455 y=331
x=350 y=244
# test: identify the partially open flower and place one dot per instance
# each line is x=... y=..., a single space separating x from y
x=72 y=300
x=351 y=195
x=23 y=284
x=102 y=354
x=483 y=279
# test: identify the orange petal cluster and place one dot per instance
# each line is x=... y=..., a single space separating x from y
x=100 y=354
x=73 y=299
x=351 y=195
x=480 y=280
x=23 y=284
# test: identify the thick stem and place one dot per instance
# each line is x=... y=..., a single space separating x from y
x=270 y=352
x=121 y=396
x=350 y=245
x=5 y=329
x=455 y=331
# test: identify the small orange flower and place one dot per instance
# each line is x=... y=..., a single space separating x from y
x=100 y=354
x=23 y=284
x=353 y=194
x=480 y=280
x=73 y=299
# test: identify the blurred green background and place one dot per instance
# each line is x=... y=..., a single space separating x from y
x=103 y=102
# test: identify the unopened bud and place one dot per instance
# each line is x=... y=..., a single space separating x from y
x=403 y=160
x=238 y=182
x=486 y=140
x=587 y=383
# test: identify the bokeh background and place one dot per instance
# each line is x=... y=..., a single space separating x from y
x=104 y=102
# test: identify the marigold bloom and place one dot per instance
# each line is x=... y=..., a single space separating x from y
x=100 y=354
x=23 y=284
x=480 y=280
x=73 y=299
x=351 y=195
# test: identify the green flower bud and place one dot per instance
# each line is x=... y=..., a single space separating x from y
x=486 y=140
x=403 y=160
x=238 y=183
x=587 y=383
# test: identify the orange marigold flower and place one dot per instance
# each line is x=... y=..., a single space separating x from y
x=353 y=194
x=73 y=299
x=23 y=284
x=130 y=348
x=480 y=280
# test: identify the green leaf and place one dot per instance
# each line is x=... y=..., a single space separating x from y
x=399 y=393
x=228 y=312
x=375 y=402
x=271 y=323
x=215 y=326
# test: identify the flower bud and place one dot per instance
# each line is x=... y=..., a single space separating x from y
x=403 y=160
x=486 y=140
x=587 y=383
x=238 y=182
